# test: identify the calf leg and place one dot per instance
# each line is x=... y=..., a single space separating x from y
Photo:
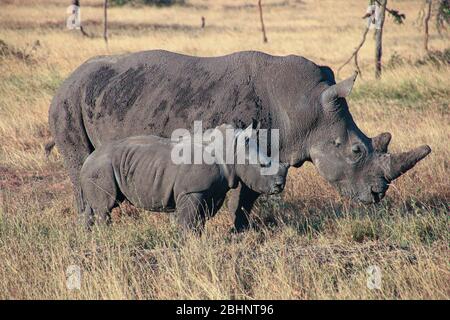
x=191 y=212
x=88 y=216
x=240 y=204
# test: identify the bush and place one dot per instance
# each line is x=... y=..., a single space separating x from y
x=148 y=2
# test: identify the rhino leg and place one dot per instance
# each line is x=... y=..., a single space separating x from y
x=240 y=204
x=191 y=212
x=67 y=127
x=74 y=157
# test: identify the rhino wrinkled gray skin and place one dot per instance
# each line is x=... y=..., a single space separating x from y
x=154 y=92
x=140 y=169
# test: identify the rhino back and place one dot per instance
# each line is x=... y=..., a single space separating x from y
x=155 y=92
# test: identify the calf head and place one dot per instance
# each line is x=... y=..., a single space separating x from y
x=253 y=169
x=359 y=167
x=249 y=164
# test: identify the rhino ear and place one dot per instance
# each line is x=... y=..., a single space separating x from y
x=344 y=88
x=339 y=90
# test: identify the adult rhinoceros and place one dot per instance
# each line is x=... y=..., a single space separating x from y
x=155 y=92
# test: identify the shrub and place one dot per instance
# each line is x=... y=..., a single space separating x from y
x=148 y=2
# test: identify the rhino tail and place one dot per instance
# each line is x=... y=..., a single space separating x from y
x=48 y=147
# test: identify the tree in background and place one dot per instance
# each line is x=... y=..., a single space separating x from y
x=379 y=37
x=263 y=29
x=438 y=10
x=375 y=16
x=105 y=21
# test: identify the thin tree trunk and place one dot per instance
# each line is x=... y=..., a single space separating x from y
x=427 y=20
x=263 y=29
x=105 y=20
x=379 y=38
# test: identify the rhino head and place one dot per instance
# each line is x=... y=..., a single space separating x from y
x=358 y=166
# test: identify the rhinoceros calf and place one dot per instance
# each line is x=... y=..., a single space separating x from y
x=140 y=169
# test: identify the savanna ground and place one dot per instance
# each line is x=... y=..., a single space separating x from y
x=310 y=243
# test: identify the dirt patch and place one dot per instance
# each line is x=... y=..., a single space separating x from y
x=45 y=185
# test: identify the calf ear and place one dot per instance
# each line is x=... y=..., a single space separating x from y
x=248 y=131
x=255 y=124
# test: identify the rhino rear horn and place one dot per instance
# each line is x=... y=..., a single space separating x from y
x=402 y=162
x=339 y=90
x=380 y=143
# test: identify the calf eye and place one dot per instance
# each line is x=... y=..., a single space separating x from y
x=265 y=165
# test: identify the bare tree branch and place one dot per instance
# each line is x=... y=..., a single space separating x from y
x=355 y=52
x=426 y=21
x=398 y=17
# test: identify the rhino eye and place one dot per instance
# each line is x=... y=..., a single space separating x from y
x=356 y=149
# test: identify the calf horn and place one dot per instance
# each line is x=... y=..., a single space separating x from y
x=380 y=143
x=402 y=162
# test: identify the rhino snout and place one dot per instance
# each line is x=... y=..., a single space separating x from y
x=374 y=194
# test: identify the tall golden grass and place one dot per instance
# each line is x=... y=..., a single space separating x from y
x=309 y=243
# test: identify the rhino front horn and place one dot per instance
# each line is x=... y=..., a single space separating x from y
x=402 y=162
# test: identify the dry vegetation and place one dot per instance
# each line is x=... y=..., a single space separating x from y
x=310 y=243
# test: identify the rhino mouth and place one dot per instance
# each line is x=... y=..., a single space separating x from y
x=377 y=196
x=371 y=195
x=374 y=194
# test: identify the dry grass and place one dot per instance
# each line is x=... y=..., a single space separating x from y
x=310 y=242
